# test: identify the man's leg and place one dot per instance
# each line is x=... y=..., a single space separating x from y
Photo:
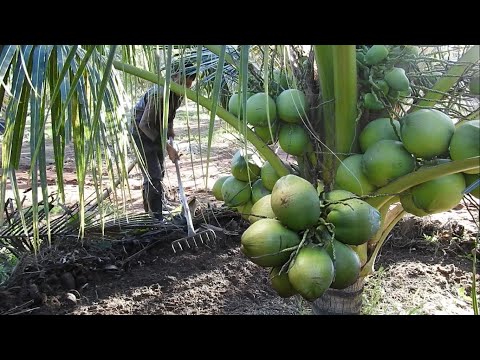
x=151 y=192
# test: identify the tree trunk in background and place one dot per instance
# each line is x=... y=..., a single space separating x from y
x=340 y=302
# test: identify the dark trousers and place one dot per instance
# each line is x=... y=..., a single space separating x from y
x=153 y=157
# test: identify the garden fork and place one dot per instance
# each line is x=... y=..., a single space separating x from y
x=203 y=236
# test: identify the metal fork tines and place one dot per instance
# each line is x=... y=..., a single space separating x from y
x=204 y=237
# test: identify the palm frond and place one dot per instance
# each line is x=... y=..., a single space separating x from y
x=215 y=96
x=72 y=89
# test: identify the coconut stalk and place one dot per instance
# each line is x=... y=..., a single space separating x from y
x=337 y=71
x=262 y=148
x=385 y=214
x=215 y=97
x=395 y=215
x=266 y=56
x=405 y=182
x=324 y=59
x=345 y=90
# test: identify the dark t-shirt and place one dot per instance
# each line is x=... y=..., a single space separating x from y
x=151 y=95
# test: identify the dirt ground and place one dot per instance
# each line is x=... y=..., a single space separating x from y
x=425 y=267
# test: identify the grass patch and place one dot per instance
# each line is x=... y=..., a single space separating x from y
x=7 y=264
x=373 y=293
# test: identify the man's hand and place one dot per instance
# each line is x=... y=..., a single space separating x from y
x=172 y=153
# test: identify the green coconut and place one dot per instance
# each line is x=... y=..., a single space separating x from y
x=409 y=206
x=339 y=195
x=235 y=192
x=382 y=84
x=280 y=283
x=372 y=103
x=350 y=176
x=245 y=209
x=242 y=170
x=262 y=209
x=376 y=54
x=426 y=133
x=355 y=221
x=295 y=202
x=385 y=161
x=264 y=132
x=217 y=187
x=346 y=263
x=263 y=242
x=376 y=130
x=311 y=273
x=259 y=191
x=234 y=104
x=291 y=105
x=259 y=107
x=269 y=176
x=397 y=79
x=439 y=194
x=465 y=142
x=293 y=139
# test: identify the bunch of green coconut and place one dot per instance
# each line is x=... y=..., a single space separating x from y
x=248 y=183
x=392 y=148
x=277 y=119
x=382 y=69
x=308 y=238
x=249 y=180
x=305 y=237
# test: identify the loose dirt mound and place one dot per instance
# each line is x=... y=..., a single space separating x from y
x=426 y=267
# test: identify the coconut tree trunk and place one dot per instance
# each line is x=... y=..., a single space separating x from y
x=340 y=302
